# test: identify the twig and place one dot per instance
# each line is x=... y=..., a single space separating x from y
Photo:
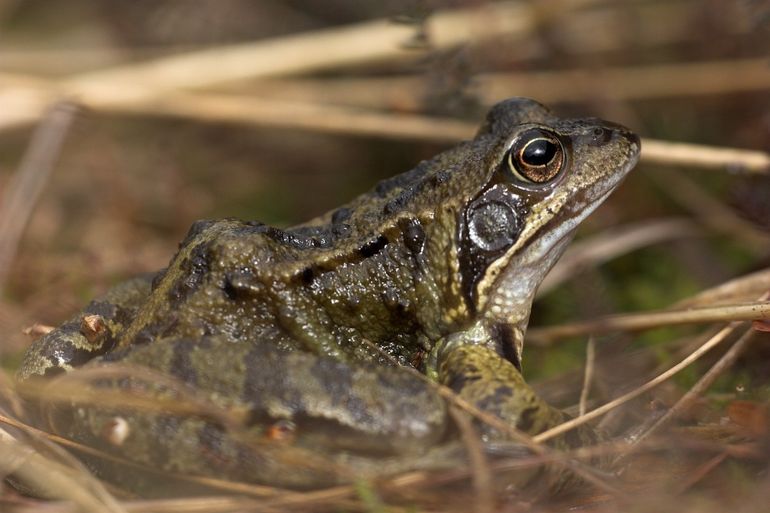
x=691 y=358
x=623 y=83
x=632 y=82
x=306 y=52
x=679 y=154
x=640 y=321
x=588 y=375
x=26 y=185
x=365 y=42
x=305 y=116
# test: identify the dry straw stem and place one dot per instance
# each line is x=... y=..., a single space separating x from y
x=373 y=41
x=633 y=82
x=690 y=359
x=623 y=83
x=24 y=189
x=588 y=375
x=589 y=30
x=353 y=121
x=701 y=472
x=680 y=154
x=302 y=53
x=758 y=310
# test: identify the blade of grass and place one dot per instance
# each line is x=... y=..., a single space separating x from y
x=649 y=320
x=27 y=184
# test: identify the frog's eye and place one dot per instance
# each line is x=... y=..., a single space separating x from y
x=536 y=156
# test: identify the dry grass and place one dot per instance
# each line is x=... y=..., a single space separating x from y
x=173 y=130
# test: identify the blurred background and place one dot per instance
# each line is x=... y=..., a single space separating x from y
x=280 y=110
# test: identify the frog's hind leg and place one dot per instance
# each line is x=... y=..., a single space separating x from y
x=249 y=412
x=89 y=334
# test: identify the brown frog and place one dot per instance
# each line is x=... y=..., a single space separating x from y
x=292 y=343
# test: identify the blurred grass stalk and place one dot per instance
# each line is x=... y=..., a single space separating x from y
x=20 y=197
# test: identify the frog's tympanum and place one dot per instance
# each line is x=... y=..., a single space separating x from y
x=288 y=357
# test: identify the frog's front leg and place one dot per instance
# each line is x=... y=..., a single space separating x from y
x=467 y=363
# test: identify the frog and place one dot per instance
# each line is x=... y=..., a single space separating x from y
x=315 y=355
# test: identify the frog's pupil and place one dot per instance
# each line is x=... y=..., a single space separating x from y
x=538 y=152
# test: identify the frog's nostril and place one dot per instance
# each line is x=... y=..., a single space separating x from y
x=601 y=135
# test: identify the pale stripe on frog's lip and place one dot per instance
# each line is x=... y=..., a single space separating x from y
x=579 y=211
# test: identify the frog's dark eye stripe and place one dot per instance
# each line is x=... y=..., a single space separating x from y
x=536 y=157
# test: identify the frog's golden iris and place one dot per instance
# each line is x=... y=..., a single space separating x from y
x=536 y=156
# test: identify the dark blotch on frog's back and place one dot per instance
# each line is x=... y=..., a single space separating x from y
x=165 y=427
x=181 y=364
x=304 y=237
x=270 y=381
x=147 y=334
x=194 y=269
x=341 y=215
x=219 y=451
x=402 y=181
x=334 y=377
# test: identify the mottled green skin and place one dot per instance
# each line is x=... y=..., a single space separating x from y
x=312 y=323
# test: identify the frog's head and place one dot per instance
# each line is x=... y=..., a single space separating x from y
x=546 y=175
